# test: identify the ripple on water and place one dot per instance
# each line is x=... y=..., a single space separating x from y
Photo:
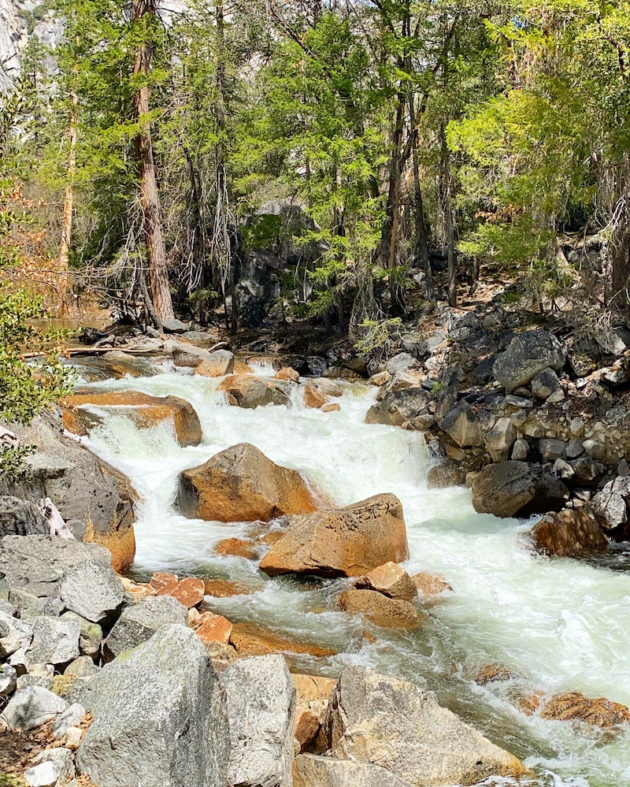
x=556 y=625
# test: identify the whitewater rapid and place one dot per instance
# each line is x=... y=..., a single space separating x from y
x=557 y=625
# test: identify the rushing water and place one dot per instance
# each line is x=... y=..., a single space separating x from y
x=557 y=625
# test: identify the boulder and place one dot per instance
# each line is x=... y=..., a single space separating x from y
x=90 y=637
x=514 y=488
x=249 y=391
x=92 y=590
x=236 y=547
x=345 y=542
x=464 y=426
x=159 y=717
x=83 y=488
x=373 y=718
x=124 y=364
x=138 y=623
x=399 y=406
x=261 y=709
x=15 y=635
x=428 y=584
x=609 y=508
x=587 y=470
x=214 y=628
x=21 y=518
x=71 y=717
x=251 y=639
x=313 y=398
x=188 y=592
x=288 y=375
x=312 y=771
x=241 y=484
x=390 y=580
x=500 y=440
x=574 y=706
x=551 y=449
x=51 y=767
x=83 y=667
x=144 y=410
x=8 y=680
x=379 y=609
x=527 y=355
x=447 y=473
x=55 y=641
x=545 y=384
x=171 y=325
x=520 y=450
x=31 y=707
x=218 y=364
x=568 y=533
x=326 y=387
x=333 y=407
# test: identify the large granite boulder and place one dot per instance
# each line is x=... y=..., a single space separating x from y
x=569 y=533
x=398 y=407
x=261 y=709
x=92 y=590
x=527 y=355
x=344 y=542
x=241 y=484
x=220 y=363
x=21 y=518
x=139 y=622
x=160 y=717
x=312 y=771
x=55 y=641
x=82 y=487
x=144 y=410
x=465 y=426
x=31 y=707
x=249 y=391
x=379 y=609
x=515 y=488
x=374 y=718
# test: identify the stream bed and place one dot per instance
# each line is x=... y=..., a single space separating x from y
x=556 y=625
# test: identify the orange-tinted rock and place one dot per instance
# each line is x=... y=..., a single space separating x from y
x=214 y=628
x=306 y=727
x=574 y=706
x=237 y=547
x=218 y=364
x=241 y=484
x=492 y=673
x=379 y=609
x=224 y=588
x=188 y=592
x=161 y=579
x=390 y=580
x=569 y=533
x=430 y=584
x=138 y=590
x=312 y=688
x=314 y=398
x=242 y=367
x=345 y=542
x=288 y=374
x=249 y=639
x=331 y=408
x=145 y=411
x=250 y=391
x=271 y=538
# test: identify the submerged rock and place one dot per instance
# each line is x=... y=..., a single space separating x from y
x=574 y=706
x=514 y=488
x=252 y=639
x=144 y=410
x=261 y=709
x=159 y=717
x=569 y=533
x=373 y=718
x=249 y=391
x=345 y=542
x=379 y=609
x=241 y=484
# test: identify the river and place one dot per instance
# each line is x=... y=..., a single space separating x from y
x=556 y=625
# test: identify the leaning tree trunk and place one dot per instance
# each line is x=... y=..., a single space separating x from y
x=149 y=194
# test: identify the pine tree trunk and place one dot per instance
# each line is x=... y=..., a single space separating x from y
x=422 y=234
x=447 y=206
x=68 y=199
x=149 y=193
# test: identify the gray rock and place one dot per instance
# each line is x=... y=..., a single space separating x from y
x=621 y=486
x=587 y=470
x=500 y=439
x=28 y=604
x=171 y=325
x=31 y=707
x=435 y=340
x=464 y=426
x=609 y=508
x=374 y=718
x=139 y=622
x=14 y=635
x=415 y=345
x=519 y=401
x=556 y=397
x=595 y=449
x=515 y=488
x=261 y=710
x=574 y=449
x=91 y=635
x=563 y=470
x=401 y=363
x=92 y=590
x=527 y=355
x=83 y=667
x=550 y=450
x=545 y=383
x=399 y=406
x=312 y=771
x=53 y=766
x=55 y=641
x=520 y=450
x=159 y=717
x=71 y=717
x=7 y=607
x=8 y=680
x=21 y=518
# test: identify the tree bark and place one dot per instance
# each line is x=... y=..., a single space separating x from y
x=68 y=200
x=149 y=193
x=447 y=207
x=422 y=234
x=619 y=279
